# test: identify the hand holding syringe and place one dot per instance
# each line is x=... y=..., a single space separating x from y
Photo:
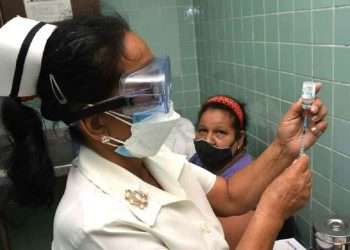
x=308 y=96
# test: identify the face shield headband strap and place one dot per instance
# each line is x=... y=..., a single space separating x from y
x=21 y=59
x=100 y=107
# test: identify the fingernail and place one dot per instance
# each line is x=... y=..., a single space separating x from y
x=314 y=118
x=300 y=157
x=313 y=129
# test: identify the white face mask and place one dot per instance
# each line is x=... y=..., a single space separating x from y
x=147 y=136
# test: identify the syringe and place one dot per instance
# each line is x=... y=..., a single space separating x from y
x=307 y=97
x=302 y=146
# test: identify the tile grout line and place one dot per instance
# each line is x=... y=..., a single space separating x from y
x=298 y=11
x=312 y=75
x=331 y=205
x=279 y=56
x=344 y=84
x=298 y=44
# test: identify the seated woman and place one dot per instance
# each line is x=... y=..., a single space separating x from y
x=220 y=138
x=221 y=148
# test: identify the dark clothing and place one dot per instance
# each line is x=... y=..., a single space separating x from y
x=236 y=166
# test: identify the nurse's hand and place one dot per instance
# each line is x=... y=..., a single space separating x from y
x=288 y=192
x=290 y=127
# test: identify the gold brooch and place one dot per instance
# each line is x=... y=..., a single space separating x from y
x=136 y=198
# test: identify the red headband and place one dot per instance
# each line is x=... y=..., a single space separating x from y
x=234 y=106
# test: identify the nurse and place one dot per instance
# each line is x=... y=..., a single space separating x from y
x=125 y=190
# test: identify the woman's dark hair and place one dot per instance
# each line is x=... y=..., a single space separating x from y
x=82 y=55
x=235 y=124
x=29 y=166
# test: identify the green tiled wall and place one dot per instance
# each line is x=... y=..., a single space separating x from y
x=260 y=51
x=168 y=30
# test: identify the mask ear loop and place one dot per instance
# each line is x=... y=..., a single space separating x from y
x=111 y=141
x=118 y=116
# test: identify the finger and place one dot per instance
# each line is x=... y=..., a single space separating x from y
x=316 y=106
x=305 y=194
x=320 y=115
x=308 y=176
x=308 y=194
x=301 y=163
x=318 y=129
x=294 y=111
x=318 y=86
x=308 y=186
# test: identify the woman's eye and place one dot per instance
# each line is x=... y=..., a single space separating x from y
x=202 y=131
x=220 y=133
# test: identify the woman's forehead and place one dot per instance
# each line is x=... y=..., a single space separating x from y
x=216 y=117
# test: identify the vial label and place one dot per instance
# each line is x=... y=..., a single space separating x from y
x=308 y=94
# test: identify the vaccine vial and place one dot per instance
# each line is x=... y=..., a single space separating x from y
x=308 y=94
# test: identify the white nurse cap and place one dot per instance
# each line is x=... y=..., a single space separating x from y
x=22 y=43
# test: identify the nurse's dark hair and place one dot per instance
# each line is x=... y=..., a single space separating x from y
x=82 y=55
x=235 y=124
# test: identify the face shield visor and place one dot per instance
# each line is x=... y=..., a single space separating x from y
x=147 y=98
x=140 y=93
x=148 y=89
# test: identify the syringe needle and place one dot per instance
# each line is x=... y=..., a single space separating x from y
x=302 y=146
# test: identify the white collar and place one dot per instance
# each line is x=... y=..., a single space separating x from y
x=113 y=179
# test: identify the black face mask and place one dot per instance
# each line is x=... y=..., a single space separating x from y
x=213 y=158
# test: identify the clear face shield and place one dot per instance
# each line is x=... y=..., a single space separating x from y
x=148 y=89
x=147 y=98
x=140 y=94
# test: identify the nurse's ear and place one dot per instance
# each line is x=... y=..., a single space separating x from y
x=94 y=127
